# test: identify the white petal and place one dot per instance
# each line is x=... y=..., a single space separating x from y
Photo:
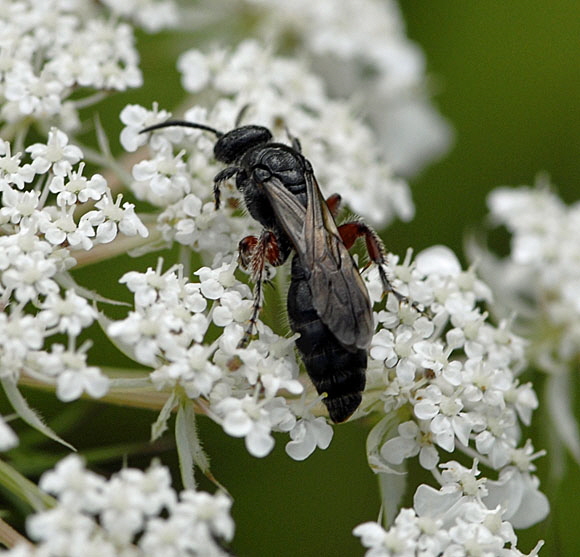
x=259 y=442
x=237 y=423
x=428 y=457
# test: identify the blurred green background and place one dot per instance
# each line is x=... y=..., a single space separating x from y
x=506 y=76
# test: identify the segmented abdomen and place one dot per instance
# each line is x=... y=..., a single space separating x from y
x=332 y=367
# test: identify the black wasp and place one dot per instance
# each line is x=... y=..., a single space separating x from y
x=328 y=303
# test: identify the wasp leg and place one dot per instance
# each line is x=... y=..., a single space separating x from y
x=351 y=231
x=254 y=254
x=222 y=176
x=333 y=203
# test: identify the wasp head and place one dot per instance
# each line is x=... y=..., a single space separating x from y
x=232 y=145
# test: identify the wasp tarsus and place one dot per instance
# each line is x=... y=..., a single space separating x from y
x=328 y=303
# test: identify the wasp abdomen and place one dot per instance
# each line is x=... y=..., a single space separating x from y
x=333 y=368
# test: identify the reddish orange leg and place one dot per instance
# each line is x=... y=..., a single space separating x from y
x=333 y=203
x=351 y=231
x=255 y=252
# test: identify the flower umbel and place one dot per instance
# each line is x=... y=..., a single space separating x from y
x=190 y=334
x=540 y=286
x=133 y=512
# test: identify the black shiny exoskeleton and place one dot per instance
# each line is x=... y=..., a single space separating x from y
x=333 y=368
x=328 y=303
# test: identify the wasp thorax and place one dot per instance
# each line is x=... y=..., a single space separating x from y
x=232 y=145
x=261 y=174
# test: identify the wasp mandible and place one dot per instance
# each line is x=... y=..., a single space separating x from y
x=328 y=303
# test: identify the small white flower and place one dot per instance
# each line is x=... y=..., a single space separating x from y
x=447 y=421
x=145 y=331
x=167 y=178
x=410 y=442
x=56 y=155
x=35 y=95
x=19 y=207
x=109 y=218
x=191 y=369
x=58 y=226
x=76 y=188
x=211 y=510
x=517 y=490
x=136 y=119
x=72 y=374
x=53 y=528
x=68 y=315
x=11 y=171
x=309 y=433
x=249 y=419
x=153 y=285
x=232 y=307
x=459 y=479
x=499 y=439
x=194 y=67
x=73 y=484
x=211 y=283
x=29 y=276
x=371 y=534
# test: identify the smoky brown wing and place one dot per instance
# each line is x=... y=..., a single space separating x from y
x=339 y=294
x=338 y=291
x=290 y=213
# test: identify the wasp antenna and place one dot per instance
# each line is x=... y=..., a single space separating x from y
x=241 y=114
x=293 y=140
x=183 y=124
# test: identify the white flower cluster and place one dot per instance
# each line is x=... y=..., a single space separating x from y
x=177 y=179
x=181 y=187
x=281 y=94
x=240 y=388
x=542 y=273
x=455 y=373
x=134 y=513
x=449 y=376
x=361 y=50
x=539 y=282
x=448 y=522
x=51 y=48
x=152 y=15
x=41 y=229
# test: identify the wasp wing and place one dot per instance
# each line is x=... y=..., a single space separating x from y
x=289 y=211
x=339 y=294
